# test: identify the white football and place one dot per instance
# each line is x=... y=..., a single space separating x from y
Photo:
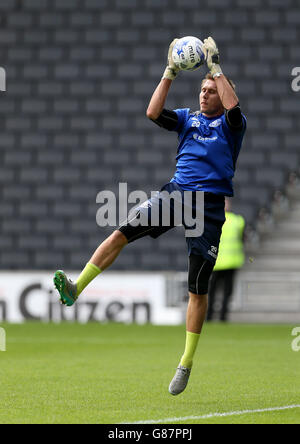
x=188 y=54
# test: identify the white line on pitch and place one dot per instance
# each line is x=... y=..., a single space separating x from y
x=215 y=415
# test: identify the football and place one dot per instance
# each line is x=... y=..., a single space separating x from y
x=188 y=54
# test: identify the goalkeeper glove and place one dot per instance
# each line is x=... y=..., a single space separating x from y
x=171 y=70
x=212 y=57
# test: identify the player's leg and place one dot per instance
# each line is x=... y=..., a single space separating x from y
x=109 y=250
x=103 y=257
x=106 y=254
x=200 y=270
x=195 y=317
x=202 y=257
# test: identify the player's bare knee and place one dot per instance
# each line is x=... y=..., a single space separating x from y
x=198 y=299
x=118 y=239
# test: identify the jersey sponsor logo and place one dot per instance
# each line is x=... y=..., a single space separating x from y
x=203 y=139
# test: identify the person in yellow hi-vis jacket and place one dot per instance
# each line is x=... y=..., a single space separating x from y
x=231 y=257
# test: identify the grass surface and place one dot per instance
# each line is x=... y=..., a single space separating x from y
x=112 y=373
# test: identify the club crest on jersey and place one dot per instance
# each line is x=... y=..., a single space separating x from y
x=215 y=123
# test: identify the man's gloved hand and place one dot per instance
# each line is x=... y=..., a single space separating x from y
x=171 y=70
x=212 y=56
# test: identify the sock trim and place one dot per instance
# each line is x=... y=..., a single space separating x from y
x=95 y=267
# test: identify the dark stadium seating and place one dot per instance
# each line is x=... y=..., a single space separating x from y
x=80 y=75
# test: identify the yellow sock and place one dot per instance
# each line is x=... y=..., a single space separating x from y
x=190 y=348
x=87 y=275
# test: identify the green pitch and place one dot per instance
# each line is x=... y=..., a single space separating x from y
x=70 y=373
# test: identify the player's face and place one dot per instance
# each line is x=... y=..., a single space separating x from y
x=210 y=102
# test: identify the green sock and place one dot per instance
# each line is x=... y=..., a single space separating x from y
x=87 y=275
x=190 y=348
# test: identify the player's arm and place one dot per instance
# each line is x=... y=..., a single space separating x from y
x=158 y=99
x=226 y=93
x=230 y=101
x=155 y=110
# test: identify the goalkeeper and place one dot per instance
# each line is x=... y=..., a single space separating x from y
x=209 y=144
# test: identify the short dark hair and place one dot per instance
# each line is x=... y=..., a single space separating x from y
x=210 y=77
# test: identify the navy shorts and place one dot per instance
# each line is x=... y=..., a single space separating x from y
x=205 y=244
